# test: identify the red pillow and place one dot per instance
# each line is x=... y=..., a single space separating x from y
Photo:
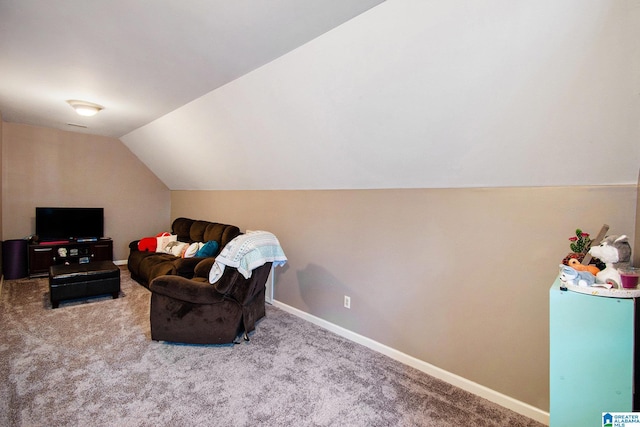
x=151 y=243
x=148 y=244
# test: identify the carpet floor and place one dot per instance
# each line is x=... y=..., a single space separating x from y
x=92 y=362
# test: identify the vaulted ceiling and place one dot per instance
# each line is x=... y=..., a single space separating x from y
x=142 y=59
x=335 y=94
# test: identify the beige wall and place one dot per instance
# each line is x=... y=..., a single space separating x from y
x=49 y=167
x=458 y=278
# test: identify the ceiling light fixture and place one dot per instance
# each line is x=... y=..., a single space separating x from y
x=85 y=108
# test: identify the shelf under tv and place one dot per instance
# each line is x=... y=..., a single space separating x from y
x=45 y=254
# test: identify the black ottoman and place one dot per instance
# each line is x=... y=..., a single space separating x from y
x=83 y=280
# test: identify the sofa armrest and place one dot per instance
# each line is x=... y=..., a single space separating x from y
x=186 y=266
x=183 y=289
x=134 y=245
x=203 y=268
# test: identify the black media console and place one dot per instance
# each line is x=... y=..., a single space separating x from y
x=45 y=254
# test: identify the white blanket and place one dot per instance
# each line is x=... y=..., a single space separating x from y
x=247 y=252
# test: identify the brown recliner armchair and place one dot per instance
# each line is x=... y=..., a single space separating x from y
x=197 y=312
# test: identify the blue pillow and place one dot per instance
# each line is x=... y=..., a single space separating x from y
x=208 y=249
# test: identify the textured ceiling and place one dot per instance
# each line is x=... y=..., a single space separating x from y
x=142 y=59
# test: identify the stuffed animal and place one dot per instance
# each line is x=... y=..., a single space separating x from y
x=615 y=252
x=571 y=276
x=575 y=264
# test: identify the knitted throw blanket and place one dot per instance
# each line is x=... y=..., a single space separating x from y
x=247 y=252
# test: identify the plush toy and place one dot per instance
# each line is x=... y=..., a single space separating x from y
x=575 y=264
x=615 y=252
x=571 y=276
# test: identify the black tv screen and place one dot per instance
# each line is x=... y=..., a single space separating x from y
x=69 y=223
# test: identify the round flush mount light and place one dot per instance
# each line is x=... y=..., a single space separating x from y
x=85 y=108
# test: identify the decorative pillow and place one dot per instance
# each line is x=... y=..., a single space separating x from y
x=175 y=248
x=209 y=249
x=148 y=244
x=164 y=239
x=167 y=248
x=193 y=249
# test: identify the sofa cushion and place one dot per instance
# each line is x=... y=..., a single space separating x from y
x=156 y=265
x=221 y=233
x=181 y=227
x=196 y=234
x=214 y=232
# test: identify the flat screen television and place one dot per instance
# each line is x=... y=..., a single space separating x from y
x=69 y=223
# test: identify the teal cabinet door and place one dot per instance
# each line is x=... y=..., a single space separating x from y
x=591 y=357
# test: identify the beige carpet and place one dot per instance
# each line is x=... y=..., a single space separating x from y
x=92 y=363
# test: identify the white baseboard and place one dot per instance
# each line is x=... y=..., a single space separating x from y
x=120 y=262
x=453 y=379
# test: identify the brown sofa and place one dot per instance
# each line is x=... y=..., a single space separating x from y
x=196 y=312
x=146 y=265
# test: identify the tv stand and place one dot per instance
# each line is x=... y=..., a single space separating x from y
x=45 y=254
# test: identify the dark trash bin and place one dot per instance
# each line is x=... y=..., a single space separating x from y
x=14 y=258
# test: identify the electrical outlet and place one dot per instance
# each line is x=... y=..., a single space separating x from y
x=347 y=302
